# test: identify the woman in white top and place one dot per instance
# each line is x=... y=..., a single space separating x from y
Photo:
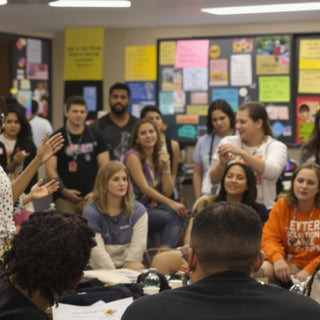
x=220 y=123
x=256 y=147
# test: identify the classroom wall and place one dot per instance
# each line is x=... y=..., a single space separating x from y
x=117 y=39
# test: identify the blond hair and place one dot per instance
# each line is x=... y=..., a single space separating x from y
x=100 y=191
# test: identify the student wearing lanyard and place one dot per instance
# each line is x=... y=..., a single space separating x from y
x=77 y=163
x=256 y=147
x=291 y=240
x=220 y=123
x=150 y=173
x=169 y=145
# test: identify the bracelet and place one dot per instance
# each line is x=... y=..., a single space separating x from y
x=166 y=171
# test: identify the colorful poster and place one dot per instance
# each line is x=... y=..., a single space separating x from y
x=309 y=81
x=195 y=79
x=166 y=105
x=241 y=70
x=167 y=53
x=37 y=71
x=274 y=89
x=199 y=97
x=309 y=55
x=219 y=72
x=83 y=58
x=141 y=63
x=192 y=54
x=171 y=79
x=197 y=110
x=306 y=108
x=241 y=45
x=273 y=55
x=142 y=93
x=230 y=95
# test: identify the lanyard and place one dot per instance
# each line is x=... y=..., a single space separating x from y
x=211 y=147
x=77 y=150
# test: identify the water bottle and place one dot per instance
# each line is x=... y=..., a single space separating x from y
x=151 y=284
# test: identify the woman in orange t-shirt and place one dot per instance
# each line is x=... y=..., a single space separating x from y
x=291 y=236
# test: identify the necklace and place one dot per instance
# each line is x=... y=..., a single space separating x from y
x=256 y=148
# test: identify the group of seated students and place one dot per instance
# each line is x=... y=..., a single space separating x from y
x=134 y=204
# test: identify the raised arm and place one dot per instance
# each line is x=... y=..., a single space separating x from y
x=45 y=151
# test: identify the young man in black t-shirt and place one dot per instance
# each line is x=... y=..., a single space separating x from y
x=77 y=163
x=117 y=125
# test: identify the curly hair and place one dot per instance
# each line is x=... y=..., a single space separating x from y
x=157 y=148
x=49 y=254
x=24 y=138
x=100 y=192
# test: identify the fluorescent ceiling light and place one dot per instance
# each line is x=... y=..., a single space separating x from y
x=3 y=2
x=91 y=3
x=266 y=8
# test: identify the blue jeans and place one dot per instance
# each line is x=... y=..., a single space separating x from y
x=164 y=220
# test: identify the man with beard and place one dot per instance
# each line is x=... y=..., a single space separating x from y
x=117 y=125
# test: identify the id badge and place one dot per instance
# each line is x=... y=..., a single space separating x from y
x=73 y=166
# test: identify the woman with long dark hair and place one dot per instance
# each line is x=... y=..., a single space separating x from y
x=238 y=185
x=220 y=123
x=18 y=143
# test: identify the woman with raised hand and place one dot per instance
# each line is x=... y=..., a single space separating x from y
x=291 y=240
x=10 y=194
x=17 y=142
x=220 y=123
x=150 y=173
x=238 y=185
x=254 y=146
x=120 y=222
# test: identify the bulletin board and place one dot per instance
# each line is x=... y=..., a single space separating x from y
x=194 y=72
x=308 y=84
x=31 y=72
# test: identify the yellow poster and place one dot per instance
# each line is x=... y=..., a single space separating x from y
x=140 y=63
x=309 y=57
x=197 y=110
x=167 y=52
x=83 y=57
x=309 y=81
x=274 y=89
